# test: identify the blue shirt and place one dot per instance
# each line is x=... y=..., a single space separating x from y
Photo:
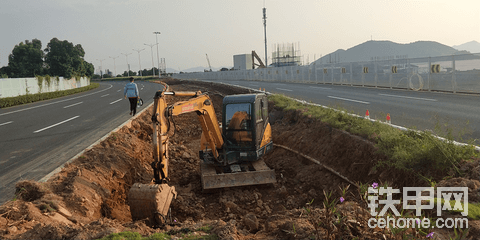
x=131 y=90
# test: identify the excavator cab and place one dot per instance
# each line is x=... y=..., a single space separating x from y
x=247 y=137
x=244 y=122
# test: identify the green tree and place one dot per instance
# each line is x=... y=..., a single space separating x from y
x=65 y=59
x=26 y=59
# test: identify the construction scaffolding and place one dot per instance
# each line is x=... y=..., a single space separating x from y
x=286 y=55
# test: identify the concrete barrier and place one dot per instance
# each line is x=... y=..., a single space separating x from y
x=12 y=87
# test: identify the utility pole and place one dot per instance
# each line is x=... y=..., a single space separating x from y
x=114 y=66
x=128 y=66
x=151 y=50
x=265 y=32
x=139 y=50
x=158 y=58
x=101 y=60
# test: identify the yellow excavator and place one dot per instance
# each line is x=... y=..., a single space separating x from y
x=230 y=154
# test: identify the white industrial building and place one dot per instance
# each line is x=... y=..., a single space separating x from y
x=242 y=61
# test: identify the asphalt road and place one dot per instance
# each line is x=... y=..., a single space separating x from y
x=421 y=110
x=36 y=138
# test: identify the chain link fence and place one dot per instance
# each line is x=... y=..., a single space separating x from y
x=456 y=73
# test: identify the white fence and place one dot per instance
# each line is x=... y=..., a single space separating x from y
x=456 y=73
x=12 y=87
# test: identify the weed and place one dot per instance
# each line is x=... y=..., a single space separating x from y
x=124 y=235
x=418 y=153
x=205 y=229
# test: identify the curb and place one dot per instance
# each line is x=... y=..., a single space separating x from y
x=126 y=123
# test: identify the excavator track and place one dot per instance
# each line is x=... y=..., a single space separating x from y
x=151 y=201
x=253 y=173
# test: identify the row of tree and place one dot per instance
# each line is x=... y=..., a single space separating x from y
x=144 y=72
x=59 y=58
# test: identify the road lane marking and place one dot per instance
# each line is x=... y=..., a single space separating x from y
x=321 y=88
x=116 y=101
x=21 y=110
x=56 y=124
x=105 y=95
x=119 y=90
x=285 y=89
x=72 y=105
x=351 y=100
x=399 y=96
x=1 y=124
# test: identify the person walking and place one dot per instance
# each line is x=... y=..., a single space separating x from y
x=131 y=91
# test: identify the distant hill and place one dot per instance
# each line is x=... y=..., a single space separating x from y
x=383 y=50
x=473 y=47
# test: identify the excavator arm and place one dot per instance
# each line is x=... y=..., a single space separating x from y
x=199 y=103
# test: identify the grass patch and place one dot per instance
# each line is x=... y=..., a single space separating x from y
x=29 y=98
x=417 y=152
x=127 y=235
x=473 y=208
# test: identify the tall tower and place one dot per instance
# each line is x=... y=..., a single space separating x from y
x=265 y=32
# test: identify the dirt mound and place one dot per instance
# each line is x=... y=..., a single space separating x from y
x=87 y=199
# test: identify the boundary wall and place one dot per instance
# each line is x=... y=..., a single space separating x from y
x=455 y=73
x=12 y=87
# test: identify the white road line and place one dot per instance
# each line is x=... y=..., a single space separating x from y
x=56 y=124
x=426 y=99
x=105 y=95
x=72 y=105
x=351 y=100
x=21 y=110
x=321 y=88
x=285 y=89
x=1 y=124
x=116 y=101
x=119 y=90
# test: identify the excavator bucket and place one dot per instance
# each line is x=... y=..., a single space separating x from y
x=151 y=201
x=253 y=173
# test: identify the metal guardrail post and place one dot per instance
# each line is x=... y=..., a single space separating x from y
x=429 y=73
x=331 y=68
x=363 y=76
x=351 y=75
x=454 y=77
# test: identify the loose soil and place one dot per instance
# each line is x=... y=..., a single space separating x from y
x=88 y=198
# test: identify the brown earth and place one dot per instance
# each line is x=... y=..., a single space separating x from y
x=87 y=199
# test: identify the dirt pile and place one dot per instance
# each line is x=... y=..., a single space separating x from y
x=87 y=199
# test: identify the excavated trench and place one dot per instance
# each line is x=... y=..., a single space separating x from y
x=87 y=199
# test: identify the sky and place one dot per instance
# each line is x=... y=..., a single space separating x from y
x=189 y=29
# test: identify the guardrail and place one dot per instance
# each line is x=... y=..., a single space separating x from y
x=456 y=73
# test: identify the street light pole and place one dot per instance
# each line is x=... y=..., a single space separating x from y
x=128 y=66
x=158 y=58
x=101 y=60
x=151 y=50
x=139 y=64
x=114 y=66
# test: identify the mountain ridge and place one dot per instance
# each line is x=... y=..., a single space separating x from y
x=385 y=50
